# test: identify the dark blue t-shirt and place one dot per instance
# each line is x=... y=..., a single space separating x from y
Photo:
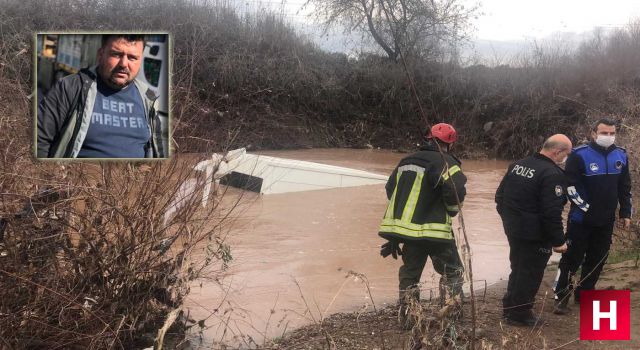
x=118 y=127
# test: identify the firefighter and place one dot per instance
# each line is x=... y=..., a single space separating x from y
x=530 y=200
x=598 y=175
x=424 y=191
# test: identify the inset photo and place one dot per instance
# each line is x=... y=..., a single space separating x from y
x=102 y=96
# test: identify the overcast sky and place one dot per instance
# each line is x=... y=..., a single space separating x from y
x=519 y=19
x=503 y=27
x=524 y=19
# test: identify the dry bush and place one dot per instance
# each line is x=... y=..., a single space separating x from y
x=626 y=243
x=239 y=80
x=249 y=80
x=88 y=258
x=93 y=261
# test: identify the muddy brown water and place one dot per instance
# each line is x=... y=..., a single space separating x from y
x=292 y=252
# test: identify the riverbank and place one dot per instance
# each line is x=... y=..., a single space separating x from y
x=291 y=246
x=380 y=330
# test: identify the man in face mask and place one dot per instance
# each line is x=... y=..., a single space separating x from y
x=598 y=175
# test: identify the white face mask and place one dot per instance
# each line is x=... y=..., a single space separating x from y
x=563 y=161
x=605 y=141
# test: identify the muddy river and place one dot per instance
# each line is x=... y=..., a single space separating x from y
x=293 y=253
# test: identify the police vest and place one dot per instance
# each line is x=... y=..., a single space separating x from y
x=599 y=179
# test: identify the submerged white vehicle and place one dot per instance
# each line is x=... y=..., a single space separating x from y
x=268 y=175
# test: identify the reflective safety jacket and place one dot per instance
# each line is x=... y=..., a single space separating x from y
x=598 y=180
x=422 y=193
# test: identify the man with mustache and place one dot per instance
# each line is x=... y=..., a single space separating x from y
x=102 y=111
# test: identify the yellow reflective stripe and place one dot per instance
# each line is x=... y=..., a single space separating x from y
x=418 y=234
x=432 y=230
x=403 y=226
x=417 y=227
x=447 y=174
x=410 y=207
x=392 y=201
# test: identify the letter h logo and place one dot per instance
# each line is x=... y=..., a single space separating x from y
x=605 y=315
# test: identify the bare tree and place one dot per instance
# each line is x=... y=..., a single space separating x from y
x=410 y=27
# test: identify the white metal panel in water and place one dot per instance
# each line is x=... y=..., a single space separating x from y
x=281 y=175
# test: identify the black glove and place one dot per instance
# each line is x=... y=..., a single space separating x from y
x=391 y=247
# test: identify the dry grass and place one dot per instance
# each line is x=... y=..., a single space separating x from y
x=85 y=249
x=92 y=260
x=88 y=257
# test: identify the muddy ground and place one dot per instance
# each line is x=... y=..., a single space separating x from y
x=381 y=330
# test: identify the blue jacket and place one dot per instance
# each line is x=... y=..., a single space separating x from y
x=598 y=180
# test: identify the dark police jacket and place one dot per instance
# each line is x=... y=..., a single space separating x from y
x=423 y=193
x=598 y=179
x=530 y=200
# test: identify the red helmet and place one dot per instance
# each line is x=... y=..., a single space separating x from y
x=443 y=132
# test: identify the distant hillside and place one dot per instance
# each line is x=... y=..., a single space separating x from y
x=252 y=80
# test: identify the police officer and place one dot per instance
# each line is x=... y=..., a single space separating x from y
x=530 y=200
x=598 y=175
x=424 y=191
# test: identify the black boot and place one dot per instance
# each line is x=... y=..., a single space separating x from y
x=561 y=306
x=523 y=319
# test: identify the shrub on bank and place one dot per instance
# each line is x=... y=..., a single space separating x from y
x=87 y=259
x=248 y=79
